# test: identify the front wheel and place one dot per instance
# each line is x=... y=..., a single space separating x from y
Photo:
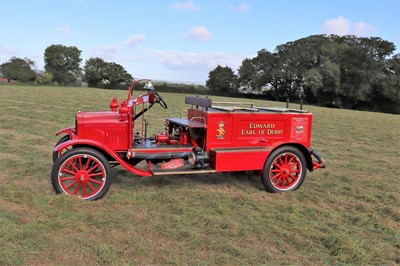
x=284 y=170
x=82 y=172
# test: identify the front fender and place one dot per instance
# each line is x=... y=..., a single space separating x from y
x=68 y=131
x=101 y=147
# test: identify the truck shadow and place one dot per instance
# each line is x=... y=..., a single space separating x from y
x=241 y=180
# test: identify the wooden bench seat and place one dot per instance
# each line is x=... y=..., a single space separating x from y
x=203 y=102
x=193 y=123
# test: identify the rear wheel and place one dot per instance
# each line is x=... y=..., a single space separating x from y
x=82 y=172
x=284 y=170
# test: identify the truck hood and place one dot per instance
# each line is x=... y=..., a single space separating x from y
x=96 y=118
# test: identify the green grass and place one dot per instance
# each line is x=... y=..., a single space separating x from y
x=347 y=213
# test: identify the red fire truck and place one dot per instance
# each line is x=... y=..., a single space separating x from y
x=212 y=137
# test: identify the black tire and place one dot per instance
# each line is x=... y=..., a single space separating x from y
x=82 y=172
x=284 y=170
x=57 y=154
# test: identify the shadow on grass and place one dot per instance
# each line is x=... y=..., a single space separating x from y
x=242 y=180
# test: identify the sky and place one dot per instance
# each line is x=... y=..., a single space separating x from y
x=180 y=40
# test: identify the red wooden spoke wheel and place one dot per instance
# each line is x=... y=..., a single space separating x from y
x=82 y=172
x=284 y=170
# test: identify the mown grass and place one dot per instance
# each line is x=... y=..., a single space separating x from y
x=347 y=213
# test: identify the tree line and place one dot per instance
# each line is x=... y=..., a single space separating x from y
x=63 y=66
x=334 y=71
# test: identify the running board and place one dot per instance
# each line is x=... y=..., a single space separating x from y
x=183 y=171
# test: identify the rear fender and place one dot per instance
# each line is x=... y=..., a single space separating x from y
x=304 y=151
x=98 y=146
x=308 y=154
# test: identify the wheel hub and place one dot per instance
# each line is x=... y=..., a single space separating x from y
x=82 y=176
x=285 y=171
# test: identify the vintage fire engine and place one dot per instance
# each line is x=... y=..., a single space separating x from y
x=213 y=137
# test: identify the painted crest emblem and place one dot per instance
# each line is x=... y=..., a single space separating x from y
x=221 y=130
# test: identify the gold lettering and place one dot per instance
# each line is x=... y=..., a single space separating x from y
x=245 y=132
x=274 y=132
x=254 y=125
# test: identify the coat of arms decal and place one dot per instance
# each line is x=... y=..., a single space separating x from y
x=221 y=130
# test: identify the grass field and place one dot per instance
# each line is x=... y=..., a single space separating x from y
x=348 y=213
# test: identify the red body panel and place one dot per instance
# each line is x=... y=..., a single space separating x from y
x=108 y=128
x=240 y=159
x=242 y=140
x=267 y=129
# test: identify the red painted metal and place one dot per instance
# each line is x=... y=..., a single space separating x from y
x=123 y=110
x=162 y=138
x=130 y=90
x=68 y=131
x=212 y=138
x=114 y=104
x=238 y=159
x=317 y=165
x=173 y=164
x=183 y=139
x=238 y=129
x=77 y=142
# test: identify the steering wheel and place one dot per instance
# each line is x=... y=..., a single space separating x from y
x=160 y=100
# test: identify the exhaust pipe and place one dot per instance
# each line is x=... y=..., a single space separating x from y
x=157 y=156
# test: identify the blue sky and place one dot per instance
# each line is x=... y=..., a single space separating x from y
x=183 y=40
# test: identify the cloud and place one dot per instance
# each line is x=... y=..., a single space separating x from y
x=363 y=29
x=198 y=33
x=344 y=26
x=189 y=5
x=194 y=66
x=242 y=8
x=136 y=59
x=135 y=40
x=106 y=52
x=6 y=50
x=109 y=51
x=178 y=60
x=338 y=26
x=66 y=32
